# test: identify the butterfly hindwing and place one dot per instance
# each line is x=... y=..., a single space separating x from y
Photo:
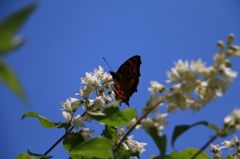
x=126 y=79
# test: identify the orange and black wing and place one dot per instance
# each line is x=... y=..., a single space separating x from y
x=126 y=79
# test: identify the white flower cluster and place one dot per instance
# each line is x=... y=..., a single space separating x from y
x=195 y=83
x=232 y=121
x=158 y=122
x=131 y=144
x=234 y=143
x=98 y=81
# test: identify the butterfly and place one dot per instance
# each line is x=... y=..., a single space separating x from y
x=126 y=79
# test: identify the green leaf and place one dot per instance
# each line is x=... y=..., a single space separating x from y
x=134 y=154
x=110 y=132
x=9 y=78
x=112 y=116
x=123 y=153
x=37 y=156
x=22 y=156
x=31 y=155
x=72 y=140
x=188 y=153
x=46 y=123
x=160 y=141
x=99 y=147
x=179 y=130
x=10 y=25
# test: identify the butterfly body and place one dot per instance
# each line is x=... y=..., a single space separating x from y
x=126 y=79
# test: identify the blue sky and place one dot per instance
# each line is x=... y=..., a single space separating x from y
x=65 y=39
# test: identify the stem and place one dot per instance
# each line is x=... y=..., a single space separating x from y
x=205 y=146
x=138 y=121
x=59 y=140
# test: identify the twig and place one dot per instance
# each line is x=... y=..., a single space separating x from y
x=205 y=146
x=138 y=121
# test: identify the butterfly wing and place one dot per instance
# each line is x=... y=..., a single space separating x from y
x=126 y=79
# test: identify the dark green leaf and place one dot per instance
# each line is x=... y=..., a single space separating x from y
x=110 y=132
x=179 y=130
x=188 y=153
x=122 y=153
x=46 y=123
x=112 y=116
x=160 y=141
x=10 y=25
x=99 y=147
x=135 y=154
x=72 y=140
x=9 y=78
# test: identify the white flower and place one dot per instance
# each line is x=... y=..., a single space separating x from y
x=156 y=87
x=71 y=104
x=227 y=73
x=158 y=122
x=216 y=150
x=99 y=72
x=147 y=123
x=220 y=59
x=99 y=102
x=91 y=83
x=232 y=121
x=78 y=122
x=173 y=76
x=228 y=144
x=87 y=133
x=133 y=122
x=160 y=119
x=209 y=72
x=107 y=78
x=86 y=91
x=177 y=100
x=134 y=145
x=67 y=116
x=75 y=103
x=197 y=66
x=182 y=67
x=193 y=104
x=90 y=79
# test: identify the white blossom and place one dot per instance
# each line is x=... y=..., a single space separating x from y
x=133 y=122
x=78 y=122
x=216 y=150
x=134 y=145
x=67 y=116
x=197 y=66
x=87 y=133
x=232 y=121
x=71 y=104
x=156 y=87
x=99 y=72
x=227 y=74
x=158 y=122
x=99 y=102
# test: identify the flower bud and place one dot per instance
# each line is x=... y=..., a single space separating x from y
x=234 y=47
x=230 y=38
x=220 y=45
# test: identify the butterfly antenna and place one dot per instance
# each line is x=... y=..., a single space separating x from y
x=107 y=63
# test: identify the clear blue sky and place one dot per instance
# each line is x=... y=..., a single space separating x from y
x=65 y=39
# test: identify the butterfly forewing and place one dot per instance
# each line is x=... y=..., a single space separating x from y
x=126 y=79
